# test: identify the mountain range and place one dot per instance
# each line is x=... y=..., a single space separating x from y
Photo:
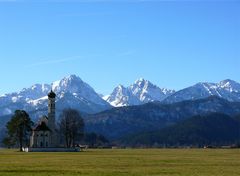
x=73 y=92
x=226 y=89
x=140 y=107
x=141 y=92
x=118 y=122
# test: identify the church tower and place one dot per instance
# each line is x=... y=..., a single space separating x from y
x=53 y=140
x=51 y=110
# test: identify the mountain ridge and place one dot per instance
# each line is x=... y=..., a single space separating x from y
x=75 y=92
x=213 y=129
x=113 y=123
x=140 y=92
x=78 y=94
x=227 y=89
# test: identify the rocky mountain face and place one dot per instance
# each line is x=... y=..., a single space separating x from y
x=71 y=92
x=226 y=89
x=118 y=122
x=141 y=92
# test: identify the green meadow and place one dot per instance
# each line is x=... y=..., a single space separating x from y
x=129 y=162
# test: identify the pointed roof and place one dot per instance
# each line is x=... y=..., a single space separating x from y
x=41 y=127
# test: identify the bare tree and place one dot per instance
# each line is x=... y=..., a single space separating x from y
x=71 y=126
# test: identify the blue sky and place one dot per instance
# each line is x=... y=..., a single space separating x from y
x=173 y=44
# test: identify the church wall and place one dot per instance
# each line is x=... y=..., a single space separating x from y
x=41 y=139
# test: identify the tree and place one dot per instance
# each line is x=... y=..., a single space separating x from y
x=71 y=126
x=18 y=129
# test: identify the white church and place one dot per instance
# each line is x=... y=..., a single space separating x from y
x=45 y=137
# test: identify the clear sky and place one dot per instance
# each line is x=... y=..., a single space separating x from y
x=173 y=44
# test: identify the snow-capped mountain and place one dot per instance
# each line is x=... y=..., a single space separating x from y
x=122 y=96
x=79 y=89
x=71 y=92
x=142 y=91
x=226 y=89
x=146 y=92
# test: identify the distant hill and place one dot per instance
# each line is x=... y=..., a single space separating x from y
x=213 y=129
x=118 y=122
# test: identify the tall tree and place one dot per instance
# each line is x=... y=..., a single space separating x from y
x=19 y=128
x=71 y=126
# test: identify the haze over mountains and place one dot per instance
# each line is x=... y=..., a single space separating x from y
x=73 y=92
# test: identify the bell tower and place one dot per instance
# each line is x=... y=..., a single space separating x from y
x=51 y=110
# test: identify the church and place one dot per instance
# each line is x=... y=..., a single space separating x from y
x=44 y=134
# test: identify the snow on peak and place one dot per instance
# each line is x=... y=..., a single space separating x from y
x=229 y=86
x=140 y=80
x=74 y=86
x=227 y=81
x=120 y=87
x=65 y=82
x=71 y=92
x=71 y=83
x=142 y=91
x=227 y=89
x=72 y=78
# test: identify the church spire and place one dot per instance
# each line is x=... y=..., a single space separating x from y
x=51 y=110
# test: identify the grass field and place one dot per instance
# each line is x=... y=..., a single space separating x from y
x=137 y=162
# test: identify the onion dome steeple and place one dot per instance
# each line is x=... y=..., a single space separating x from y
x=51 y=94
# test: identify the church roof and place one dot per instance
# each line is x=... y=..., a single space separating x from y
x=51 y=94
x=41 y=127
